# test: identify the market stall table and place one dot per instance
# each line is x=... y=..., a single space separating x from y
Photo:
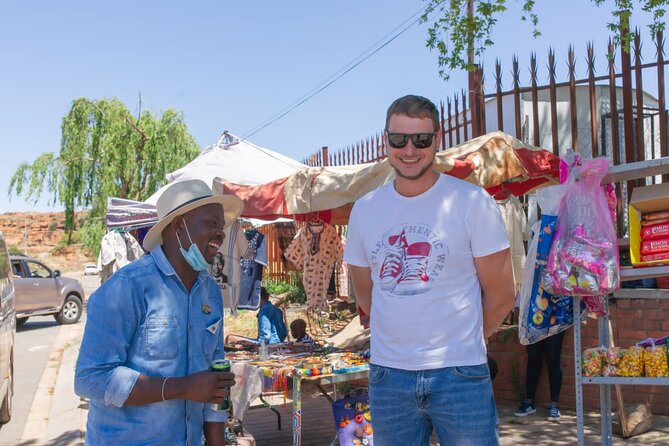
x=331 y=378
x=256 y=377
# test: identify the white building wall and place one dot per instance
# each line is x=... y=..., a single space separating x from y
x=603 y=106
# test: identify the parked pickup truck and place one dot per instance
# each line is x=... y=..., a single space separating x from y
x=41 y=291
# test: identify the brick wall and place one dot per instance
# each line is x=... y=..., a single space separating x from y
x=633 y=320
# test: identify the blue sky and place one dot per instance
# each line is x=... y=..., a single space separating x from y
x=232 y=65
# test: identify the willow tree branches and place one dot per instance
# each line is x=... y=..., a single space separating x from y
x=106 y=151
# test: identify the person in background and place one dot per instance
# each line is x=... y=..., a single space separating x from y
x=298 y=330
x=154 y=328
x=271 y=327
x=430 y=262
x=549 y=348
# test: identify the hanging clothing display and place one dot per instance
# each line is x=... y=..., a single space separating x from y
x=233 y=249
x=252 y=263
x=343 y=276
x=216 y=270
x=515 y=222
x=315 y=249
x=117 y=249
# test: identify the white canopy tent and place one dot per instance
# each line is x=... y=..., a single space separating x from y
x=234 y=159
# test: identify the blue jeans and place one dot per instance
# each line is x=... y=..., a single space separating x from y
x=458 y=402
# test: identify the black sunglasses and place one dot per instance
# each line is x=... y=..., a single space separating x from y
x=419 y=140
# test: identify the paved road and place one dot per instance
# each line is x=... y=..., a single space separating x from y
x=34 y=345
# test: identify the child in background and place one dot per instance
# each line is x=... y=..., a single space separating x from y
x=298 y=330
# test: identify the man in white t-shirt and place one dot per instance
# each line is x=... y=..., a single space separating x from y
x=430 y=262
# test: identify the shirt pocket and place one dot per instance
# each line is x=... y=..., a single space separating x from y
x=161 y=334
x=211 y=336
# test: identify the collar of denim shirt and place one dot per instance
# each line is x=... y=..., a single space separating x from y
x=166 y=267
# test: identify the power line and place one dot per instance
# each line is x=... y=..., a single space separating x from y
x=412 y=20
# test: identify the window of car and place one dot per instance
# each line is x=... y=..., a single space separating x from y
x=38 y=270
x=17 y=268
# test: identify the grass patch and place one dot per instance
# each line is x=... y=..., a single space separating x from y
x=294 y=289
x=245 y=324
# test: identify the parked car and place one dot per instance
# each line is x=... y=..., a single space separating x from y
x=90 y=270
x=7 y=333
x=41 y=291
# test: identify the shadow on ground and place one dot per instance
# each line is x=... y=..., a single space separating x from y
x=35 y=325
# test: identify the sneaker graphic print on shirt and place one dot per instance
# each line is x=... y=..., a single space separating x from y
x=393 y=263
x=411 y=256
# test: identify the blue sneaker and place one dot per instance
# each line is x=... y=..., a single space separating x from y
x=553 y=413
x=525 y=409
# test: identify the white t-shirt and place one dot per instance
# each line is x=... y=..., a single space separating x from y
x=426 y=299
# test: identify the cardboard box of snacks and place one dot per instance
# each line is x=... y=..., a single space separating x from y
x=645 y=200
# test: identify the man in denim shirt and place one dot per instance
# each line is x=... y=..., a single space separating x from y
x=271 y=328
x=155 y=326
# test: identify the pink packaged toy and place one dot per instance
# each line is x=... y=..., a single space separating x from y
x=583 y=258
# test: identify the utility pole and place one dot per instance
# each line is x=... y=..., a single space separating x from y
x=475 y=78
x=470 y=38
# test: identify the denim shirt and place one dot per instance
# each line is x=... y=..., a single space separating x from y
x=142 y=321
x=271 y=328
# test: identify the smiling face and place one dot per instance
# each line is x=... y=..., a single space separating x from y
x=412 y=166
x=205 y=226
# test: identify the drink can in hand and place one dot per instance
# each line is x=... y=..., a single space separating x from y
x=221 y=365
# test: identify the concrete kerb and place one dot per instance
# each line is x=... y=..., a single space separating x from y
x=67 y=419
x=54 y=386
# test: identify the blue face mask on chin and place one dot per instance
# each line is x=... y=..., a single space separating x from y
x=193 y=256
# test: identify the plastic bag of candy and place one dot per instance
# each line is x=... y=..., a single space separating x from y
x=632 y=362
x=592 y=361
x=613 y=355
x=610 y=370
x=583 y=259
x=655 y=361
x=542 y=314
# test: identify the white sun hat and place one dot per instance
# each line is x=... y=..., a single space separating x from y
x=184 y=196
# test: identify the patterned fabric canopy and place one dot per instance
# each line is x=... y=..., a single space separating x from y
x=497 y=161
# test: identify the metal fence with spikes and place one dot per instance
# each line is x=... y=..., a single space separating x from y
x=573 y=114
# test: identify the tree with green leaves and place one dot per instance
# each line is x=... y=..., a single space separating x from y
x=105 y=151
x=461 y=28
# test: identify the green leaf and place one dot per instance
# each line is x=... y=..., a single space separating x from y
x=452 y=32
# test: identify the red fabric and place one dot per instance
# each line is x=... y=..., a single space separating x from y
x=265 y=201
x=516 y=188
x=326 y=216
x=540 y=166
x=539 y=163
x=461 y=169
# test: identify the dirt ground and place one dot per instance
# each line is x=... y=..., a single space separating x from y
x=322 y=328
